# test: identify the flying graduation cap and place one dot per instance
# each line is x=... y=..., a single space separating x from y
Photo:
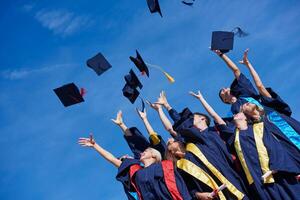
x=130 y=89
x=98 y=63
x=143 y=67
x=154 y=7
x=69 y=94
x=188 y=2
x=223 y=40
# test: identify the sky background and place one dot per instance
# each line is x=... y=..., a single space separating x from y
x=45 y=44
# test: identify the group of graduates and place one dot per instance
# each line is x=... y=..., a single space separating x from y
x=254 y=154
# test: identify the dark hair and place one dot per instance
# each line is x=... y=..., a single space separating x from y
x=207 y=118
x=222 y=98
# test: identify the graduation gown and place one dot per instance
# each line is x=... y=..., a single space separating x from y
x=217 y=154
x=283 y=185
x=157 y=181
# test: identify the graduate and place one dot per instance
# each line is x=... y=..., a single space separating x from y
x=270 y=170
x=240 y=88
x=201 y=156
x=278 y=112
x=148 y=175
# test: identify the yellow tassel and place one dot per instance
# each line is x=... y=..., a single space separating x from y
x=169 y=77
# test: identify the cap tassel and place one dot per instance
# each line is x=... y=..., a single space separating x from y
x=82 y=91
x=239 y=32
x=169 y=77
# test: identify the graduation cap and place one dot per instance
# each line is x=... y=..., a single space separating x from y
x=188 y=3
x=69 y=94
x=223 y=40
x=130 y=93
x=132 y=80
x=98 y=63
x=143 y=67
x=153 y=6
x=139 y=63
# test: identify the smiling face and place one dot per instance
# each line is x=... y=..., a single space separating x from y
x=175 y=150
x=225 y=95
x=248 y=108
x=149 y=154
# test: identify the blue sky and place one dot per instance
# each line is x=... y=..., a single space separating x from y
x=45 y=45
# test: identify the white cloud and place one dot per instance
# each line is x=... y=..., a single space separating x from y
x=23 y=73
x=62 y=22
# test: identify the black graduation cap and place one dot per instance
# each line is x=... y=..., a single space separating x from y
x=223 y=40
x=139 y=63
x=154 y=6
x=188 y=3
x=132 y=80
x=130 y=93
x=69 y=94
x=98 y=63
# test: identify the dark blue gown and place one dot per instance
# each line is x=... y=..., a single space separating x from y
x=214 y=149
x=286 y=186
x=150 y=180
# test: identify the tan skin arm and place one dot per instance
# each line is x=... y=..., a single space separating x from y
x=90 y=142
x=163 y=118
x=143 y=116
x=236 y=71
x=258 y=83
x=208 y=108
x=119 y=121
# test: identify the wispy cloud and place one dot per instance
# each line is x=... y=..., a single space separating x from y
x=62 y=22
x=24 y=73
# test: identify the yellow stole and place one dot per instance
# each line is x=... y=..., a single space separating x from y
x=258 y=130
x=199 y=174
x=190 y=147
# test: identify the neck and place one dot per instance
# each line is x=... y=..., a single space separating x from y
x=201 y=128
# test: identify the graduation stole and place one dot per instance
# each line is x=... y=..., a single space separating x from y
x=132 y=170
x=285 y=128
x=190 y=147
x=258 y=130
x=199 y=174
x=276 y=119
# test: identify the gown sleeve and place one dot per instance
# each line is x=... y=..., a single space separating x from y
x=136 y=142
x=158 y=143
x=276 y=103
x=242 y=87
x=227 y=133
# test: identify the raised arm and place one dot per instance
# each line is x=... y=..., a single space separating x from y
x=258 y=83
x=143 y=116
x=236 y=71
x=90 y=142
x=119 y=121
x=163 y=118
x=208 y=108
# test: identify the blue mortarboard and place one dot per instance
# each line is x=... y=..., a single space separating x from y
x=223 y=40
x=98 y=63
x=139 y=63
x=130 y=93
x=154 y=6
x=132 y=80
x=69 y=94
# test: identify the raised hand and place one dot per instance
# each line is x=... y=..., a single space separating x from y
x=87 y=142
x=218 y=52
x=143 y=115
x=155 y=106
x=198 y=95
x=162 y=99
x=245 y=60
x=119 y=119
